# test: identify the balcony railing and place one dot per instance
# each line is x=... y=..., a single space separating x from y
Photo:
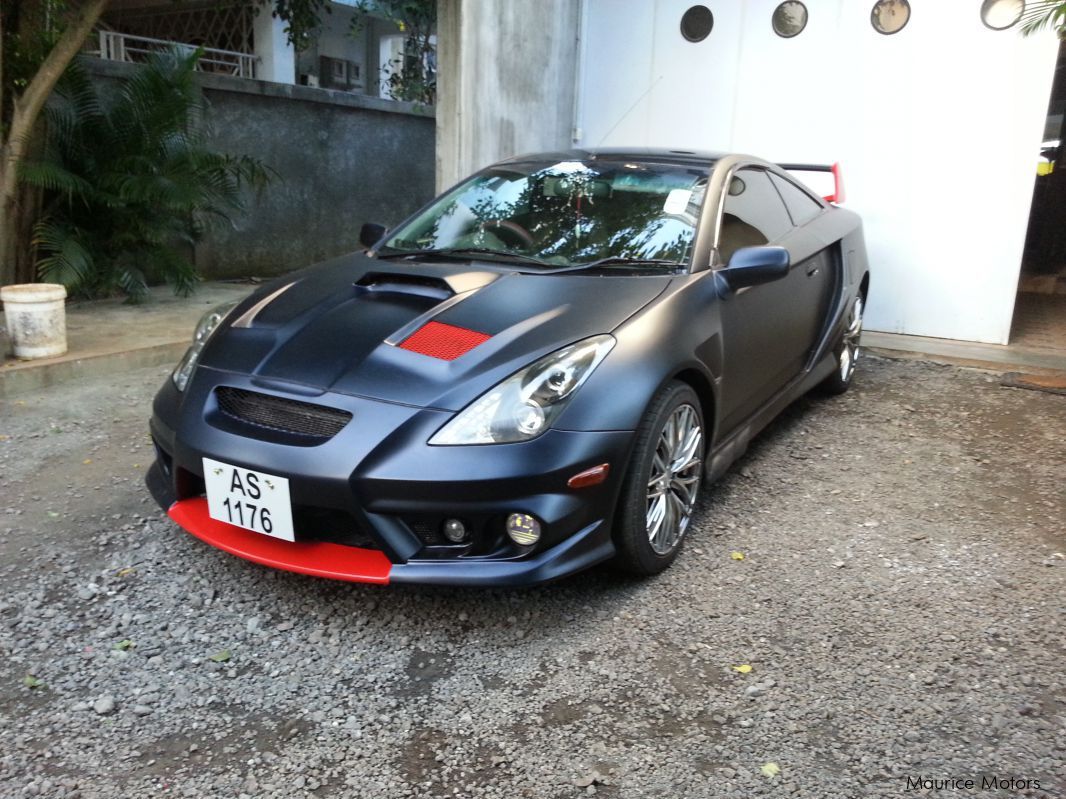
x=116 y=46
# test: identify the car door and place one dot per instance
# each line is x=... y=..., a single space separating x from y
x=768 y=330
x=815 y=283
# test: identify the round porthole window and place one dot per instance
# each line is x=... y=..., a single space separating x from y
x=696 y=23
x=1001 y=14
x=790 y=18
x=890 y=16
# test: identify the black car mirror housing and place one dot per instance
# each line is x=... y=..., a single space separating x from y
x=750 y=266
x=371 y=233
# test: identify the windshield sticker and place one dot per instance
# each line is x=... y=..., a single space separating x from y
x=677 y=201
x=569 y=168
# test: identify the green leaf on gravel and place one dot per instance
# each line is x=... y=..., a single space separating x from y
x=31 y=682
x=221 y=657
x=123 y=645
x=770 y=770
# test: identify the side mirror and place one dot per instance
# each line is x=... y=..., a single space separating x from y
x=371 y=233
x=751 y=266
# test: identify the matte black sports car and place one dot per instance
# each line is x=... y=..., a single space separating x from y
x=531 y=375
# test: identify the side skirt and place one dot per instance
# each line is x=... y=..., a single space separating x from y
x=725 y=454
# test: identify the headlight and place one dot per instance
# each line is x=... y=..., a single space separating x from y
x=525 y=404
x=204 y=328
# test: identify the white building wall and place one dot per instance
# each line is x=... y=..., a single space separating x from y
x=937 y=129
x=277 y=58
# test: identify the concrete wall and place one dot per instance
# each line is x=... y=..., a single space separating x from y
x=937 y=128
x=506 y=80
x=343 y=160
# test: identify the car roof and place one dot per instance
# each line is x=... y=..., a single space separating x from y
x=653 y=155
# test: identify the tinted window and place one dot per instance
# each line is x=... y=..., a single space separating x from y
x=753 y=214
x=801 y=205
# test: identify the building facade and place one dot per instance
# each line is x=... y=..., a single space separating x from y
x=935 y=109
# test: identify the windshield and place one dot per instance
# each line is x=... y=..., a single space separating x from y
x=565 y=214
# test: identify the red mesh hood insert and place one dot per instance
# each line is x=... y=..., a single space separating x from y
x=447 y=342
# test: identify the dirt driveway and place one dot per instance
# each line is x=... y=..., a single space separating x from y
x=900 y=603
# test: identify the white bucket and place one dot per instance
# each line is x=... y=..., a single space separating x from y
x=36 y=319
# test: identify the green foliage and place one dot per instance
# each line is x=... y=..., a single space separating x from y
x=302 y=18
x=1043 y=14
x=30 y=29
x=132 y=180
x=412 y=76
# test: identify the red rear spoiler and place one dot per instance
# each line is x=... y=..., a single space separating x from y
x=838 y=182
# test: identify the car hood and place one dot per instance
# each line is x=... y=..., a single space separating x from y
x=341 y=326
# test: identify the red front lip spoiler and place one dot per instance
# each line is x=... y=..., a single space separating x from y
x=319 y=559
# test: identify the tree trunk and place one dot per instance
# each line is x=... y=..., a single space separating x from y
x=28 y=204
x=26 y=109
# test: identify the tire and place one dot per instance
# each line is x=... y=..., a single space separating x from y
x=847 y=351
x=670 y=448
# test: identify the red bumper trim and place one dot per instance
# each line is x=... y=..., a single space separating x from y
x=315 y=558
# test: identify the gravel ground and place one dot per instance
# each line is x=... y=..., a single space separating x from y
x=900 y=603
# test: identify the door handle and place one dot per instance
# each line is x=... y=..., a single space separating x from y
x=812 y=271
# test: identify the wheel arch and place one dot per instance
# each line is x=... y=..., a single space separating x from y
x=704 y=389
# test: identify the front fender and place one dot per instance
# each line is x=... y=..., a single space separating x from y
x=678 y=334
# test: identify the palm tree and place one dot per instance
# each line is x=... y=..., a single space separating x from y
x=1043 y=14
x=132 y=181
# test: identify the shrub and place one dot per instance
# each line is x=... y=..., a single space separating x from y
x=131 y=181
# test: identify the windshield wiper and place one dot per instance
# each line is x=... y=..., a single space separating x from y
x=466 y=252
x=618 y=260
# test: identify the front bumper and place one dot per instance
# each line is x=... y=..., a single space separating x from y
x=353 y=564
x=398 y=481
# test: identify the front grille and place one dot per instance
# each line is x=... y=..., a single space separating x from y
x=427 y=532
x=280 y=413
x=332 y=526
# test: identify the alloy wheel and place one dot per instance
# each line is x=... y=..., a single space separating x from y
x=849 y=351
x=674 y=480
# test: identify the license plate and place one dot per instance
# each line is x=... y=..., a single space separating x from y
x=249 y=499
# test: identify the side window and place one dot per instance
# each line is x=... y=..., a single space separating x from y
x=801 y=206
x=754 y=213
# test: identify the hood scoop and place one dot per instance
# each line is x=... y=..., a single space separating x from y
x=433 y=288
x=420 y=278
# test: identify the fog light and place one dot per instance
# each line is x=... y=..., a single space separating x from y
x=523 y=529
x=454 y=531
